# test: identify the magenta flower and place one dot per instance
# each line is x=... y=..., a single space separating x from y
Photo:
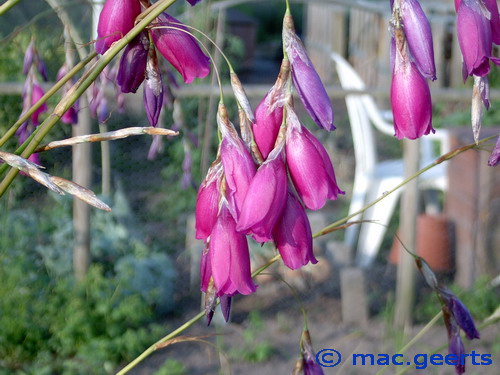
x=239 y=170
x=268 y=119
x=207 y=202
x=305 y=78
x=153 y=89
x=492 y=6
x=474 y=30
x=36 y=95
x=133 y=64
x=175 y=43
x=265 y=199
x=229 y=257
x=410 y=96
x=293 y=236
x=494 y=158
x=419 y=36
x=116 y=19
x=309 y=165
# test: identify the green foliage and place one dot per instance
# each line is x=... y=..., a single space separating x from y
x=171 y=367
x=253 y=349
x=53 y=325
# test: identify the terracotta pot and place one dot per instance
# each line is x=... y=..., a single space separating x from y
x=433 y=242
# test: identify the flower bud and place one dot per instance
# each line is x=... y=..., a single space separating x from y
x=175 y=43
x=293 y=236
x=265 y=198
x=29 y=56
x=116 y=19
x=229 y=256
x=419 y=36
x=309 y=165
x=460 y=313
x=133 y=64
x=305 y=78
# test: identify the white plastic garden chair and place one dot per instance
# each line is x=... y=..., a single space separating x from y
x=373 y=177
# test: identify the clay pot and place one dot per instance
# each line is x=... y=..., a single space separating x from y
x=433 y=242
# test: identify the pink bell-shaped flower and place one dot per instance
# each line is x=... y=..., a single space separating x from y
x=36 y=95
x=474 y=30
x=265 y=198
x=181 y=50
x=419 y=37
x=239 y=170
x=410 y=95
x=116 y=19
x=293 y=236
x=229 y=256
x=207 y=202
x=269 y=112
x=309 y=165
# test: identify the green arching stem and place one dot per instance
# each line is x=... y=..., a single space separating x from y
x=441 y=159
x=7 y=5
x=82 y=85
x=417 y=337
x=322 y=232
x=216 y=71
x=154 y=347
x=287 y=2
x=24 y=117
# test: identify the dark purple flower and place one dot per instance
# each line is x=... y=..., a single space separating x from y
x=410 y=95
x=309 y=165
x=460 y=313
x=225 y=306
x=305 y=78
x=310 y=366
x=175 y=43
x=475 y=38
x=116 y=19
x=456 y=347
x=293 y=236
x=205 y=269
x=153 y=89
x=494 y=158
x=229 y=256
x=193 y=2
x=419 y=36
x=265 y=198
x=133 y=64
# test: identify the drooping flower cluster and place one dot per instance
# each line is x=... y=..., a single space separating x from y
x=32 y=92
x=412 y=60
x=139 y=61
x=478 y=28
x=456 y=316
x=260 y=185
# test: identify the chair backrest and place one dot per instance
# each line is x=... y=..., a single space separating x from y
x=362 y=111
